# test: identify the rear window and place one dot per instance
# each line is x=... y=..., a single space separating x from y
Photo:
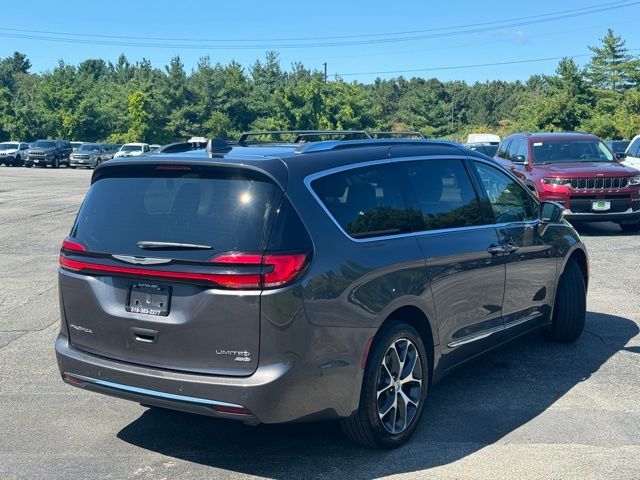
x=366 y=202
x=227 y=211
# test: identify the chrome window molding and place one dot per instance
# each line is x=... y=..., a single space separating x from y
x=354 y=166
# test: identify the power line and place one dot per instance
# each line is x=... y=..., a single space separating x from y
x=581 y=10
x=482 y=28
x=475 y=65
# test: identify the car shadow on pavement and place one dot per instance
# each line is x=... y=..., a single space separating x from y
x=472 y=408
x=600 y=229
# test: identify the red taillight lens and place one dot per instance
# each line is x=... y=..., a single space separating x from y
x=285 y=268
x=71 y=244
x=277 y=270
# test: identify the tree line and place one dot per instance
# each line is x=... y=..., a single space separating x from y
x=124 y=101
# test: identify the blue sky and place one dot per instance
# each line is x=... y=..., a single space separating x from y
x=221 y=29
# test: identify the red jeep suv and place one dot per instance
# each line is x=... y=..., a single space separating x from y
x=578 y=171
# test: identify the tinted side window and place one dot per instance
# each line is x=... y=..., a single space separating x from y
x=509 y=200
x=289 y=233
x=633 y=148
x=444 y=195
x=503 y=149
x=366 y=202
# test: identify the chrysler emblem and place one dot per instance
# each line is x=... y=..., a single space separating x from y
x=141 y=260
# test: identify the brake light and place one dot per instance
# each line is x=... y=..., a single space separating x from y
x=275 y=270
x=176 y=168
x=71 y=244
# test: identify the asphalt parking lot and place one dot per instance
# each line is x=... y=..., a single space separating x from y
x=530 y=410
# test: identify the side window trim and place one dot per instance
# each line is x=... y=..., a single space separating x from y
x=485 y=200
x=488 y=217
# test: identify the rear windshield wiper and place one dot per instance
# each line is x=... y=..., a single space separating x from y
x=150 y=245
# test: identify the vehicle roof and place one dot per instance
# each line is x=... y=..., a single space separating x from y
x=137 y=144
x=283 y=161
x=556 y=135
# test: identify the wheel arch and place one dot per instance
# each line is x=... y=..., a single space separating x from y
x=415 y=317
x=580 y=256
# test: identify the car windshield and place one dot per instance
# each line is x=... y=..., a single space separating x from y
x=8 y=146
x=43 y=144
x=570 y=151
x=89 y=148
x=130 y=148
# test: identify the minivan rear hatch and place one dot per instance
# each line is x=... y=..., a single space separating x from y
x=165 y=264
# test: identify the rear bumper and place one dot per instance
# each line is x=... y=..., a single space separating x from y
x=277 y=393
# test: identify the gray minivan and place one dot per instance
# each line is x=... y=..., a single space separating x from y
x=312 y=280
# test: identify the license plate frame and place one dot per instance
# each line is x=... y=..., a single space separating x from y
x=149 y=299
x=601 y=206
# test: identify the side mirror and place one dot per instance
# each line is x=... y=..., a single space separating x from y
x=620 y=156
x=518 y=159
x=551 y=212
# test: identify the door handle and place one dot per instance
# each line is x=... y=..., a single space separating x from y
x=502 y=248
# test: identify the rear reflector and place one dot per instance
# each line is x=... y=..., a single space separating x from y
x=229 y=409
x=72 y=379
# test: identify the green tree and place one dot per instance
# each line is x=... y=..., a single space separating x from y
x=611 y=65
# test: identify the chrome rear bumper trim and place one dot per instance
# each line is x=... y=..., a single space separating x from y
x=150 y=393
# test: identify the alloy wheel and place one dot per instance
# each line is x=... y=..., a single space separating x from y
x=399 y=386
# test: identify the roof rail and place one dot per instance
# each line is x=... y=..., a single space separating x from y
x=377 y=142
x=389 y=134
x=300 y=135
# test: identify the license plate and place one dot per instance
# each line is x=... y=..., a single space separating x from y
x=36 y=161
x=149 y=299
x=601 y=206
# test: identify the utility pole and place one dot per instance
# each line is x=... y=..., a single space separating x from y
x=453 y=106
x=325 y=72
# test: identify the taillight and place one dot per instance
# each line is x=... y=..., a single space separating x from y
x=72 y=244
x=271 y=270
x=278 y=269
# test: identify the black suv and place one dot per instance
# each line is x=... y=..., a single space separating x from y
x=48 y=152
x=277 y=282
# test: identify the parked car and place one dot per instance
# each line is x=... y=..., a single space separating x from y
x=48 y=152
x=618 y=147
x=632 y=153
x=320 y=280
x=491 y=138
x=132 y=150
x=12 y=154
x=154 y=147
x=75 y=145
x=90 y=155
x=489 y=149
x=578 y=171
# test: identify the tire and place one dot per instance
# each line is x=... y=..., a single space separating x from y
x=367 y=426
x=28 y=165
x=18 y=162
x=55 y=163
x=571 y=305
x=630 y=227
